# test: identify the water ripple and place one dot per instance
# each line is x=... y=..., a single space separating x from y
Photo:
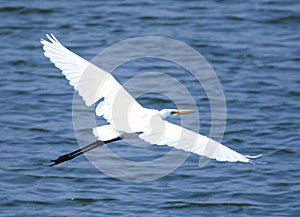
x=254 y=49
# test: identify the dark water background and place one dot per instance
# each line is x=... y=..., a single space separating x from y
x=254 y=49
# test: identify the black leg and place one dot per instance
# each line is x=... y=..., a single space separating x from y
x=71 y=155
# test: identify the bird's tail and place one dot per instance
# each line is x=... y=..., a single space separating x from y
x=106 y=132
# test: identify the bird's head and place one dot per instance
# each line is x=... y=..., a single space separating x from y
x=168 y=112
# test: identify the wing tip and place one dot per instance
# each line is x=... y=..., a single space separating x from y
x=255 y=161
x=51 y=39
x=253 y=156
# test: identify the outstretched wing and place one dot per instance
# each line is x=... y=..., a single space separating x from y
x=93 y=84
x=165 y=133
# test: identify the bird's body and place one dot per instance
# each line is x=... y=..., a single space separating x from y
x=124 y=114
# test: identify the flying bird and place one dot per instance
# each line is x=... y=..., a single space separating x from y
x=124 y=114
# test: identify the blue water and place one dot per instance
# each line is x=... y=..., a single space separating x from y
x=254 y=50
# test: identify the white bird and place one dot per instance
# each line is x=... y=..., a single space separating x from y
x=124 y=114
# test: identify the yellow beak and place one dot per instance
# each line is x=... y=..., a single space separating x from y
x=182 y=112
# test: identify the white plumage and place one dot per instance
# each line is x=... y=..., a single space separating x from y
x=94 y=84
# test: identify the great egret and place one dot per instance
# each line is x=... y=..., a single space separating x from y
x=149 y=124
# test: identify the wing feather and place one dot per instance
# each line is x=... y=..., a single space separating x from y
x=94 y=84
x=187 y=140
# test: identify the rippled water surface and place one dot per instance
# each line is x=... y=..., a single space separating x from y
x=252 y=46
